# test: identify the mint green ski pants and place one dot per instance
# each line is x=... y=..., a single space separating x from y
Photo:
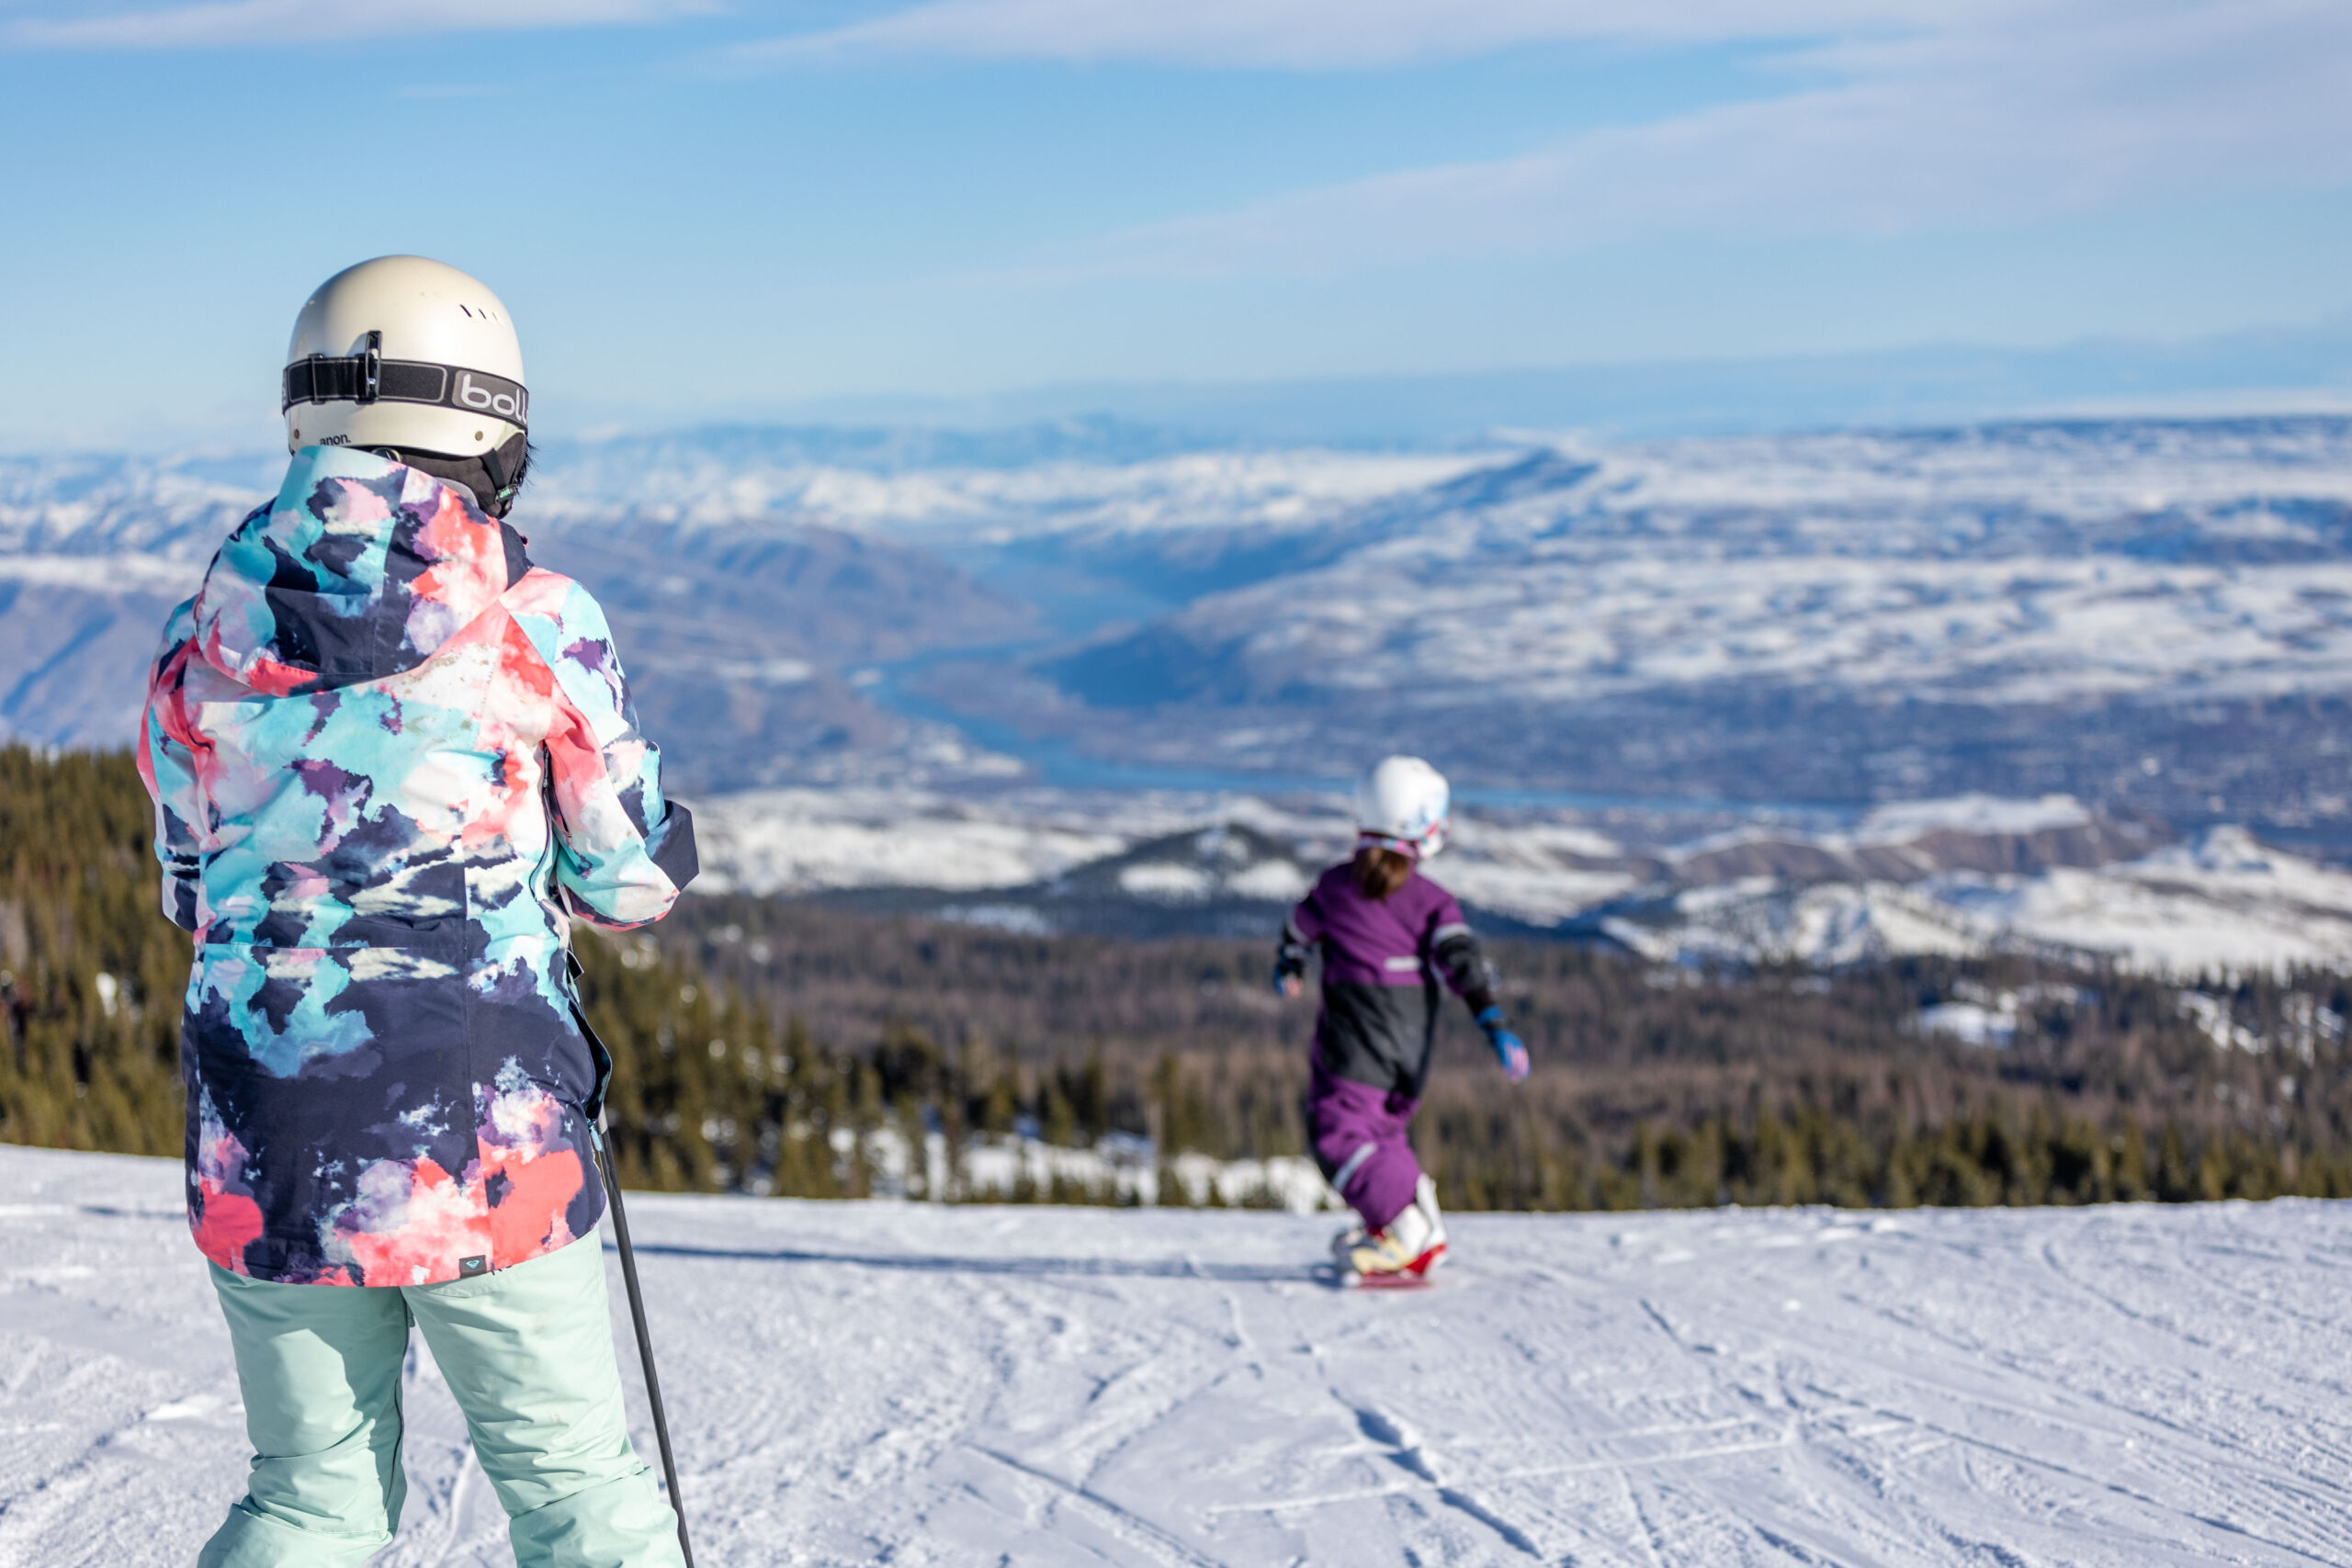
x=528 y=1353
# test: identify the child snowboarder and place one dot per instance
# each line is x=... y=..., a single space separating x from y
x=1388 y=936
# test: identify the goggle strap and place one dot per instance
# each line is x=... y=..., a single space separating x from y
x=368 y=377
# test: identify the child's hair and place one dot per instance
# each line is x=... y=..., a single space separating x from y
x=1380 y=871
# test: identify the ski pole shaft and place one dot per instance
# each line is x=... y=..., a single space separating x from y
x=644 y=1339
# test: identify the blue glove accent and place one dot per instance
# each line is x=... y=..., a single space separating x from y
x=1286 y=980
x=1510 y=1049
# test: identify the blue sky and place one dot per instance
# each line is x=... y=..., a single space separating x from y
x=752 y=211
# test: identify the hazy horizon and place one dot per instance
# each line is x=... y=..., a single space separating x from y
x=2284 y=371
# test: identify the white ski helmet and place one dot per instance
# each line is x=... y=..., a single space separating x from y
x=405 y=354
x=1404 y=803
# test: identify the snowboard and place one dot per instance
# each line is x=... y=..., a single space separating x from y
x=1351 y=1281
x=1420 y=1276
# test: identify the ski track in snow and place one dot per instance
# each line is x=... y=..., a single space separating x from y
x=878 y=1382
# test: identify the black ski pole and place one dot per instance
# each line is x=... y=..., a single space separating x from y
x=644 y=1340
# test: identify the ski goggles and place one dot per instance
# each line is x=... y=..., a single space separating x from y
x=368 y=377
x=1422 y=848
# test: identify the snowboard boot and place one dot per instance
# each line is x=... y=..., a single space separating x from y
x=1403 y=1251
x=1425 y=1198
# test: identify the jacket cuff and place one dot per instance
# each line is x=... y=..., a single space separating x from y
x=672 y=848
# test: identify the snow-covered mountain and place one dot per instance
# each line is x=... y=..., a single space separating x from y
x=1968 y=875
x=932 y=487
x=740 y=634
x=93 y=552
x=2006 y=565
x=2221 y=903
x=855 y=1384
x=2149 y=617
x=1050 y=860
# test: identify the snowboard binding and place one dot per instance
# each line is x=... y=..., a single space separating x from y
x=1401 y=1255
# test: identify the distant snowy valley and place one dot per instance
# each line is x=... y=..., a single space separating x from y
x=2068 y=686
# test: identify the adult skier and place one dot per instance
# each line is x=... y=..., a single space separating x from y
x=392 y=761
x=1389 y=935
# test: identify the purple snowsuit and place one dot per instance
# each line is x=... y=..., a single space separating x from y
x=1383 y=959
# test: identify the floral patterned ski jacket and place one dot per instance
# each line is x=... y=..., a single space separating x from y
x=391 y=762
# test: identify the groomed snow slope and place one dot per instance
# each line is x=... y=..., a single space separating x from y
x=857 y=1384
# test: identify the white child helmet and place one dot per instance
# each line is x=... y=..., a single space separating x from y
x=1404 y=803
x=405 y=354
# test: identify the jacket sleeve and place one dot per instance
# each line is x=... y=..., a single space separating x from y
x=623 y=852
x=1453 y=948
x=167 y=766
x=1301 y=931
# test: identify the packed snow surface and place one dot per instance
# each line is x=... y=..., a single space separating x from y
x=872 y=1382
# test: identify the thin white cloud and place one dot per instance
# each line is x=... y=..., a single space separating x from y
x=1322 y=34
x=1976 y=123
x=230 y=23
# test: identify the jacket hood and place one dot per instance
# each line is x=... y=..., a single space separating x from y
x=362 y=568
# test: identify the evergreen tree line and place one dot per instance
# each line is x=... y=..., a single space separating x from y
x=762 y=1045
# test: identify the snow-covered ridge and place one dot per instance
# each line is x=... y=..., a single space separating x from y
x=1967 y=489
x=1991 y=489
x=803 y=840
x=2223 y=903
x=176 y=509
x=1905 y=822
x=1840 y=616
x=1909 y=819
x=1966 y=875
x=1157 y=847
x=993 y=504
x=1998 y=565
x=2032 y=564
x=127 y=571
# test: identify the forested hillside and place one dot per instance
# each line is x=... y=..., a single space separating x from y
x=759 y=1043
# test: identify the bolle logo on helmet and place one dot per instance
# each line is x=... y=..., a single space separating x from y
x=507 y=402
